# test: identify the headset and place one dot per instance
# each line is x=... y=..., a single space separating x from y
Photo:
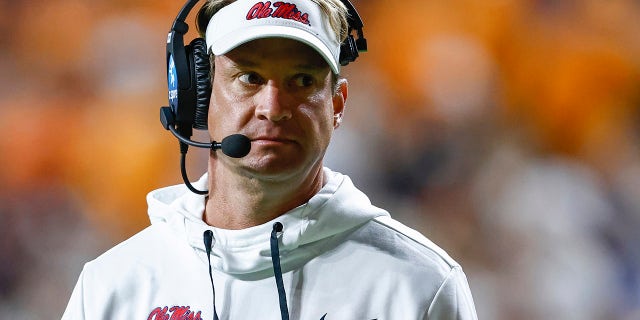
x=189 y=70
x=189 y=84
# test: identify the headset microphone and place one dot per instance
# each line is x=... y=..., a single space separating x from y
x=235 y=145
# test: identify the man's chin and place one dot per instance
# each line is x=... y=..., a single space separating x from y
x=273 y=168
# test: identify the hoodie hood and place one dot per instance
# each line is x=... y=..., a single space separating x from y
x=338 y=207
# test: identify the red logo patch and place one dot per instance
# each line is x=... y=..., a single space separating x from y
x=174 y=313
x=282 y=10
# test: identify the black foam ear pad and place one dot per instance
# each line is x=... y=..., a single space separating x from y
x=202 y=75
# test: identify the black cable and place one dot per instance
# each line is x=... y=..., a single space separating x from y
x=277 y=270
x=183 y=170
x=208 y=240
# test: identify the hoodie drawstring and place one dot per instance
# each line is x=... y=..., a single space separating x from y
x=277 y=270
x=208 y=240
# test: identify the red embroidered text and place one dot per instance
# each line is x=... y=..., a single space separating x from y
x=279 y=9
x=174 y=313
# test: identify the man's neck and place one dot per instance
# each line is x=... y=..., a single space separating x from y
x=238 y=201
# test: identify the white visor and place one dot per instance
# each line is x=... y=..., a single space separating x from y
x=246 y=20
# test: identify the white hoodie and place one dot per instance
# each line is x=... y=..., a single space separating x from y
x=341 y=258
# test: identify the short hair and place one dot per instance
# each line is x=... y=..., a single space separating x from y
x=334 y=9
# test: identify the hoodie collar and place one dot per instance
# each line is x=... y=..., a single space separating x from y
x=337 y=207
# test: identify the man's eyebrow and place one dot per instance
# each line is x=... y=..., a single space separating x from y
x=243 y=63
x=312 y=67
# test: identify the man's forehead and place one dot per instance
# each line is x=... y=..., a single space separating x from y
x=277 y=50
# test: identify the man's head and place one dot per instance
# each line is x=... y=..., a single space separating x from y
x=274 y=80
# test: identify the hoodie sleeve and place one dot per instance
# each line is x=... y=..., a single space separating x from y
x=453 y=300
x=75 y=307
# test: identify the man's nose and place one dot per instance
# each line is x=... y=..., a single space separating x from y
x=271 y=104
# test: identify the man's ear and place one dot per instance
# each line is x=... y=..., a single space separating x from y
x=339 y=101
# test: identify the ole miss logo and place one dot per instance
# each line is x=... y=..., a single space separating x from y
x=180 y=313
x=282 y=10
x=174 y=313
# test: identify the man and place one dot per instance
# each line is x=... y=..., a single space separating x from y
x=278 y=235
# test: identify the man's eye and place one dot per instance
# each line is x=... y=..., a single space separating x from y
x=250 y=78
x=303 y=80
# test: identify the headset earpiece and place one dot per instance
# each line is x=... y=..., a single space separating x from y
x=348 y=51
x=201 y=69
x=351 y=47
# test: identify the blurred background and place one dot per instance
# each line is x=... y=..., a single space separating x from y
x=507 y=131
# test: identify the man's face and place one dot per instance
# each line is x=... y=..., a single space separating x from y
x=279 y=93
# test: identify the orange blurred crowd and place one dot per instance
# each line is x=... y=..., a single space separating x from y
x=507 y=131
